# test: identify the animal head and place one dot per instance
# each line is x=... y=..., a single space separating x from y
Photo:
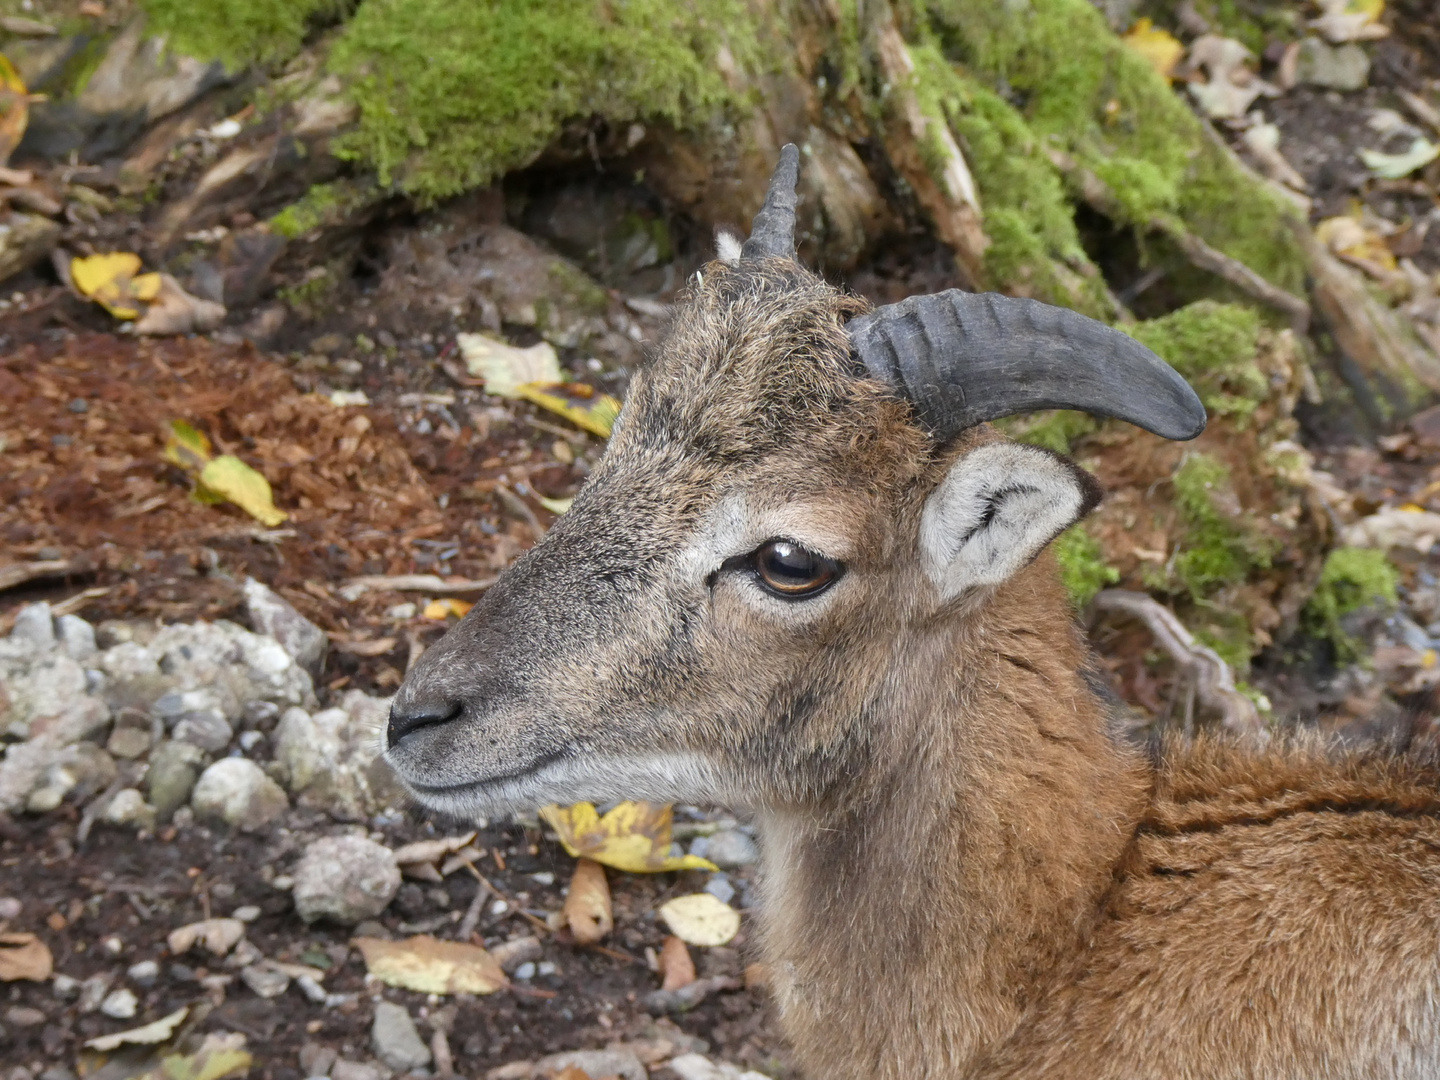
x=797 y=493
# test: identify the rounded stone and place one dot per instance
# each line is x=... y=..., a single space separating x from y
x=731 y=849
x=395 y=1040
x=238 y=792
x=346 y=879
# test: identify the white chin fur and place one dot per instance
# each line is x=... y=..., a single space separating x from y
x=658 y=778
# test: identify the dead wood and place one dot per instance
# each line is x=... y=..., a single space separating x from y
x=1213 y=680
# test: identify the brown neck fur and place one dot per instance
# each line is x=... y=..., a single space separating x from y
x=907 y=922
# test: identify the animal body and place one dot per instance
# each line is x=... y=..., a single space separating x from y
x=807 y=579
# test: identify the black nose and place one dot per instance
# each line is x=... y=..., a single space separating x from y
x=417 y=715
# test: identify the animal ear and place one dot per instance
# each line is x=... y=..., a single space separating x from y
x=994 y=512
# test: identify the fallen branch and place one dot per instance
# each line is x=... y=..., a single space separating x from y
x=1213 y=679
x=1097 y=194
x=13 y=574
x=355 y=588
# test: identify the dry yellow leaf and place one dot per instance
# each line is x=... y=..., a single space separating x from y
x=504 y=367
x=634 y=836
x=579 y=403
x=14 y=109
x=187 y=447
x=220 y=1056
x=430 y=966
x=1348 y=236
x=114 y=282
x=1159 y=47
x=557 y=506
x=157 y=1031
x=588 y=911
x=24 y=956
x=701 y=919
x=231 y=479
x=443 y=609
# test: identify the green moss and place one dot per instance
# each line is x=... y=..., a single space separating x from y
x=1027 y=214
x=1214 y=346
x=1082 y=565
x=1084 y=91
x=322 y=205
x=309 y=297
x=1352 y=578
x=238 y=32
x=1219 y=548
x=1055 y=430
x=1227 y=632
x=453 y=94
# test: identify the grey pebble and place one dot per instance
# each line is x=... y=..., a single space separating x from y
x=395 y=1040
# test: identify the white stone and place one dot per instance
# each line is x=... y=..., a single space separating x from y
x=271 y=614
x=345 y=878
x=332 y=758
x=144 y=973
x=238 y=792
x=731 y=849
x=120 y=1004
x=35 y=624
x=77 y=637
x=128 y=807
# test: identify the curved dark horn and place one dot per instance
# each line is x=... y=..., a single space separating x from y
x=773 y=231
x=964 y=358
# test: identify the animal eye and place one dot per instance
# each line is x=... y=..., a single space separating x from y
x=787 y=570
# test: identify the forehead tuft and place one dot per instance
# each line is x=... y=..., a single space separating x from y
x=758 y=361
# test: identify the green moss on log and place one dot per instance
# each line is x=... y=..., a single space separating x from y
x=1352 y=578
x=1219 y=549
x=1214 y=346
x=322 y=205
x=238 y=32
x=452 y=95
x=1086 y=92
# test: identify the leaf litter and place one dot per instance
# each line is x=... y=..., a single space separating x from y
x=588 y=909
x=633 y=836
x=221 y=479
x=701 y=919
x=24 y=956
x=431 y=966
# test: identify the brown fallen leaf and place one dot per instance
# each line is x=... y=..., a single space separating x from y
x=24 y=956
x=416 y=859
x=430 y=966
x=676 y=965
x=587 y=908
x=175 y=311
x=375 y=647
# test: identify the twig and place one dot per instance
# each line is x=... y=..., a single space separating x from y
x=355 y=588
x=471 y=918
x=519 y=508
x=1213 y=679
x=1098 y=195
x=14 y=574
x=1423 y=110
x=1234 y=271
x=440 y=1051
